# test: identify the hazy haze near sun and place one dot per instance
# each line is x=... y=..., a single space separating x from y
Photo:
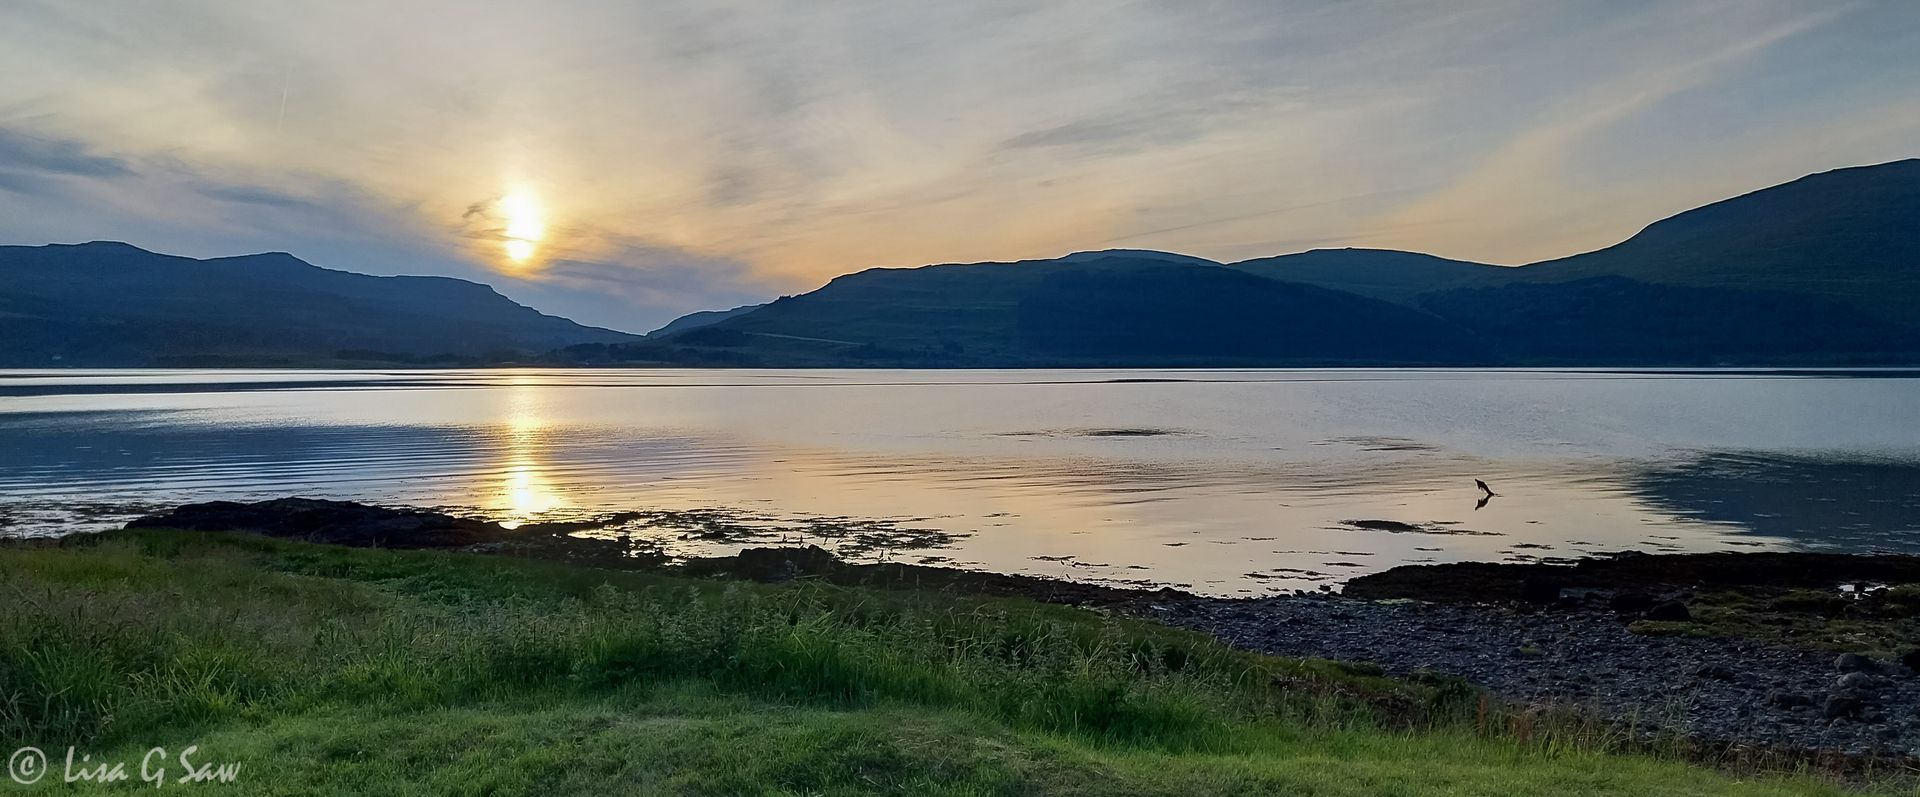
x=623 y=162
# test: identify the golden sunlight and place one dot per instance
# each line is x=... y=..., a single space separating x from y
x=525 y=226
x=525 y=492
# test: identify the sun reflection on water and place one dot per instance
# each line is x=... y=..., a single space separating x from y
x=526 y=491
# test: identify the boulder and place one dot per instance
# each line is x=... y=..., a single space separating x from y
x=1671 y=612
x=1630 y=602
x=1540 y=591
x=1842 y=704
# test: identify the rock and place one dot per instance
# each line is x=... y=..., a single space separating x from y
x=1842 y=704
x=1718 y=672
x=1782 y=698
x=1858 y=681
x=1670 y=612
x=1853 y=662
x=1539 y=591
x=1911 y=658
x=1630 y=602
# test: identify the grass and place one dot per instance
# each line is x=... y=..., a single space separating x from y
x=1885 y=624
x=329 y=670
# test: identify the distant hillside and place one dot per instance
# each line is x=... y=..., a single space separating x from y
x=1822 y=270
x=1097 y=308
x=1849 y=234
x=701 y=318
x=1619 y=321
x=1377 y=273
x=1200 y=315
x=968 y=311
x=111 y=304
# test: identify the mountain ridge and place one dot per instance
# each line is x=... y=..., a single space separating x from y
x=1824 y=269
x=114 y=304
x=1727 y=262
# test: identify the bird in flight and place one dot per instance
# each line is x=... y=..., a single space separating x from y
x=1484 y=488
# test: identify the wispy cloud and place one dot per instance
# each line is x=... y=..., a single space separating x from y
x=1499 y=196
x=703 y=153
x=25 y=153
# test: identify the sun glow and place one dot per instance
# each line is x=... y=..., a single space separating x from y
x=525 y=491
x=525 y=225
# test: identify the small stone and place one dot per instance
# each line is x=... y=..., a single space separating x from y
x=1539 y=591
x=1670 y=612
x=1853 y=662
x=1841 y=704
x=1628 y=602
x=1718 y=672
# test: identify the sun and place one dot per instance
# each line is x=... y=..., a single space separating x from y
x=525 y=225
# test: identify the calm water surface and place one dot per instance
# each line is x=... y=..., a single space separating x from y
x=1227 y=482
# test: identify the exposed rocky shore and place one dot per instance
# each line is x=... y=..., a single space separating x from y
x=1734 y=691
x=1810 y=654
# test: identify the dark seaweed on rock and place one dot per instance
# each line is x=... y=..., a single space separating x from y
x=1399 y=527
x=846 y=535
x=1481 y=581
x=1112 y=432
x=366 y=526
x=621 y=534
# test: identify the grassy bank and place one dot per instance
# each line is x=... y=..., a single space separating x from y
x=326 y=669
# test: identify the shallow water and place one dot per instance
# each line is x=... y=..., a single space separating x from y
x=1225 y=482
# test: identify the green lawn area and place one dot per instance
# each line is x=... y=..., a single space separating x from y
x=330 y=670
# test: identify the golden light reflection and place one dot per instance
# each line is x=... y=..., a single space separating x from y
x=525 y=492
x=526 y=225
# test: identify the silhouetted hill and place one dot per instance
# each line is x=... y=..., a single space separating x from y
x=1620 y=321
x=1822 y=270
x=1849 y=234
x=1204 y=315
x=701 y=318
x=963 y=311
x=1138 y=254
x=1378 y=273
x=111 y=304
x=1109 y=308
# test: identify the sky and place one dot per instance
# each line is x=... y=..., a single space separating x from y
x=623 y=162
